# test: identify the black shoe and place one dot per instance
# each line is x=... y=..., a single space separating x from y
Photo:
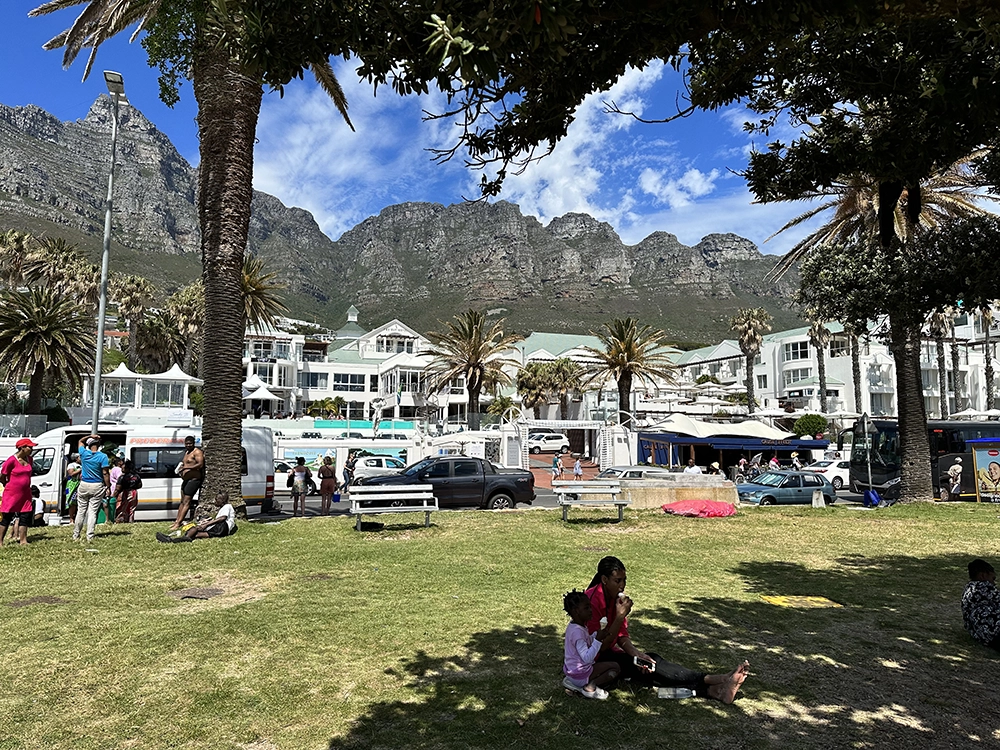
x=182 y=538
x=161 y=537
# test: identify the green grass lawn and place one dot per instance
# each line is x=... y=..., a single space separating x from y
x=451 y=637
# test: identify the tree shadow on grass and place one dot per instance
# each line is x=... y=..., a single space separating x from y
x=891 y=666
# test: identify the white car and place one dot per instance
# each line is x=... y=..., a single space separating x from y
x=633 y=472
x=836 y=472
x=373 y=466
x=548 y=443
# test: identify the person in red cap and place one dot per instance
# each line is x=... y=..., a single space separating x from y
x=15 y=476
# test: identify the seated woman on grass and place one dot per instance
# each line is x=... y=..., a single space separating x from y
x=605 y=592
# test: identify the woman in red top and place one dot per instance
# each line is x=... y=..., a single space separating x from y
x=604 y=591
x=15 y=476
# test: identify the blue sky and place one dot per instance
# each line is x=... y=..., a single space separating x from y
x=675 y=177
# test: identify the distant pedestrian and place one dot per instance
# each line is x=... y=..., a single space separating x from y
x=327 y=484
x=692 y=467
x=774 y=463
x=577 y=469
x=95 y=485
x=15 y=476
x=796 y=463
x=556 y=466
x=349 y=465
x=127 y=493
x=191 y=470
x=713 y=468
x=73 y=470
x=300 y=484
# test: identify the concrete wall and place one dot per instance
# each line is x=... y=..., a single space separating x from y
x=652 y=493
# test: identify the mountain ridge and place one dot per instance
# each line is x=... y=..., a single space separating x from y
x=419 y=262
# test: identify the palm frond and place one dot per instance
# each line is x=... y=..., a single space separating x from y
x=327 y=80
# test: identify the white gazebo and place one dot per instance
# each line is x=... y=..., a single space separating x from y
x=141 y=398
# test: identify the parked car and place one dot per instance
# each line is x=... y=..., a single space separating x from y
x=312 y=436
x=350 y=436
x=548 y=443
x=461 y=481
x=837 y=472
x=633 y=472
x=785 y=488
x=281 y=469
x=374 y=466
x=392 y=436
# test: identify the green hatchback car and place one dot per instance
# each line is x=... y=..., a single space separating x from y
x=785 y=488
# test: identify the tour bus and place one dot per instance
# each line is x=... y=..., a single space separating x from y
x=155 y=452
x=947 y=442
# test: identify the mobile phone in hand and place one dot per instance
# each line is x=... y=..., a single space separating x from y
x=642 y=663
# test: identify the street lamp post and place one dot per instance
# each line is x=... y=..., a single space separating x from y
x=116 y=87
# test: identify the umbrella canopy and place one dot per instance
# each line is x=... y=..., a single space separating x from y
x=969 y=413
x=843 y=415
x=771 y=413
x=262 y=394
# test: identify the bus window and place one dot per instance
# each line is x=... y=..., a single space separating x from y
x=41 y=461
x=956 y=444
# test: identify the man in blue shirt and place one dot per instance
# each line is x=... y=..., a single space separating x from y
x=95 y=484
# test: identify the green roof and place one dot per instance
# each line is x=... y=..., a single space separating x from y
x=351 y=330
x=557 y=343
x=347 y=355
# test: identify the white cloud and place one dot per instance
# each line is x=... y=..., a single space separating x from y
x=680 y=191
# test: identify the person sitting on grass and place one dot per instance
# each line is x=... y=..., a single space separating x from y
x=224 y=524
x=606 y=592
x=583 y=674
x=981 y=604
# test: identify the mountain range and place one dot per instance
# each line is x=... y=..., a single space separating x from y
x=419 y=262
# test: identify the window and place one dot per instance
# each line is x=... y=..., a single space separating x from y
x=264 y=372
x=811 y=481
x=161 y=462
x=118 y=392
x=466 y=468
x=394 y=344
x=438 y=470
x=794 y=376
x=343 y=381
x=373 y=383
x=282 y=349
x=795 y=350
x=758 y=360
x=313 y=380
x=162 y=394
x=456 y=386
x=410 y=381
x=41 y=461
x=261 y=350
x=762 y=382
x=795 y=481
x=283 y=377
x=840 y=348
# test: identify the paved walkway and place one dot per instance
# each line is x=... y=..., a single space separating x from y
x=541 y=468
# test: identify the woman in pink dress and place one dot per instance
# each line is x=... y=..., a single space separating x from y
x=15 y=476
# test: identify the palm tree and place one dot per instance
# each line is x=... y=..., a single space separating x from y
x=14 y=247
x=853 y=331
x=531 y=382
x=132 y=294
x=750 y=325
x=323 y=407
x=631 y=353
x=61 y=266
x=187 y=306
x=44 y=335
x=957 y=376
x=819 y=338
x=227 y=85
x=939 y=326
x=949 y=194
x=261 y=304
x=471 y=348
x=565 y=378
x=160 y=343
x=987 y=313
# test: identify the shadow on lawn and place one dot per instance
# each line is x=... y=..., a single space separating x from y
x=893 y=665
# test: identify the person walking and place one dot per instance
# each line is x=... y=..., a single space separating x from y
x=95 y=485
x=300 y=485
x=577 y=469
x=349 y=465
x=15 y=476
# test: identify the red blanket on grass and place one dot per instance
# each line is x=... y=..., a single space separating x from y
x=700 y=508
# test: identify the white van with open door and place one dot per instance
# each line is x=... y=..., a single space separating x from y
x=155 y=451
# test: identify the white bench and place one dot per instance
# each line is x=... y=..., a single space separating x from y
x=572 y=492
x=408 y=498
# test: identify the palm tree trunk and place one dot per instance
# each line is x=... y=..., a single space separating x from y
x=473 y=415
x=856 y=371
x=228 y=108
x=133 y=343
x=914 y=448
x=989 y=363
x=942 y=375
x=564 y=406
x=821 y=370
x=750 y=384
x=624 y=397
x=34 y=403
x=956 y=373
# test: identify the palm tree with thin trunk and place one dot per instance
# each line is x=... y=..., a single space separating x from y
x=160 y=343
x=44 y=335
x=631 y=353
x=565 y=378
x=957 y=376
x=471 y=348
x=987 y=317
x=854 y=329
x=939 y=324
x=531 y=382
x=14 y=246
x=227 y=84
x=132 y=294
x=750 y=325
x=187 y=306
x=819 y=339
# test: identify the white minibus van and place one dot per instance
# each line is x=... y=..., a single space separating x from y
x=155 y=452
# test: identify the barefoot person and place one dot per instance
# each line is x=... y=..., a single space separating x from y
x=605 y=592
x=15 y=476
x=222 y=524
x=192 y=471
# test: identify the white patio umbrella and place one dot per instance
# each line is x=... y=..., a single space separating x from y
x=968 y=413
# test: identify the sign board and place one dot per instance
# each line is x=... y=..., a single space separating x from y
x=986 y=458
